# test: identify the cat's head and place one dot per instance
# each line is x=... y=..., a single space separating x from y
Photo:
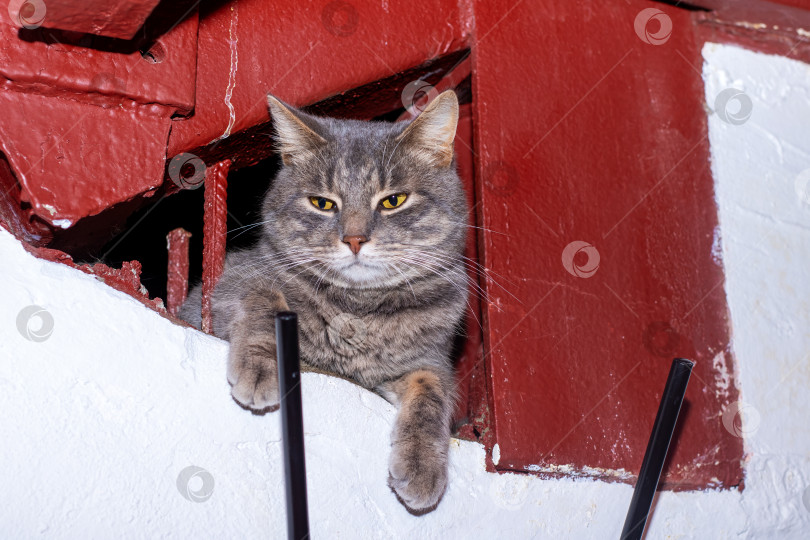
x=367 y=204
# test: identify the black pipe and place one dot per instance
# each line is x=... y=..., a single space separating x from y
x=292 y=424
x=657 y=449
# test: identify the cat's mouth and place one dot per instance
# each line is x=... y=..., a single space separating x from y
x=361 y=271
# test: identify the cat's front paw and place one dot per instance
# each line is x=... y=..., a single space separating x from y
x=254 y=383
x=418 y=474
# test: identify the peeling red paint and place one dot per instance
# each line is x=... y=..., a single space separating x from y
x=126 y=279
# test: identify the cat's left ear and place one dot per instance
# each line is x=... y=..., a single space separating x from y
x=297 y=141
x=430 y=136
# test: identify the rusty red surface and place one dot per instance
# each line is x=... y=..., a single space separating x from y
x=117 y=18
x=214 y=233
x=598 y=208
x=177 y=277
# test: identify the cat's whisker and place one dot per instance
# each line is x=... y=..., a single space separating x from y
x=458 y=287
x=474 y=267
x=462 y=224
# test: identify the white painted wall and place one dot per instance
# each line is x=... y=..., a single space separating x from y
x=761 y=169
x=100 y=417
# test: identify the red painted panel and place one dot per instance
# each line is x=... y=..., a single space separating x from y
x=77 y=159
x=215 y=230
x=177 y=274
x=470 y=378
x=304 y=52
x=118 y=19
x=586 y=133
x=74 y=67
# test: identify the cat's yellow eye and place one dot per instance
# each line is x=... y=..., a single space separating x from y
x=393 y=201
x=322 y=203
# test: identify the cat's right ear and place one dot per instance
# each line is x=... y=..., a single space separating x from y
x=297 y=142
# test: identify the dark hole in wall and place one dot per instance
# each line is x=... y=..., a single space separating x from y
x=143 y=237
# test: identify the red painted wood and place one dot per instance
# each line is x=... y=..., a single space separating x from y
x=776 y=32
x=177 y=278
x=84 y=129
x=117 y=18
x=215 y=229
x=304 y=52
x=77 y=159
x=469 y=384
x=69 y=66
x=590 y=134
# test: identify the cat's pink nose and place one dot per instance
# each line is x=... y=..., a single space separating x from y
x=355 y=242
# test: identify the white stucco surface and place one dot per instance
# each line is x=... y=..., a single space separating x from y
x=100 y=417
x=761 y=168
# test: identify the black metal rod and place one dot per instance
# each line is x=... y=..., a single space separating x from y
x=292 y=424
x=657 y=449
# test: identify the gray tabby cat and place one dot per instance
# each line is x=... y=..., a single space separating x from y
x=363 y=236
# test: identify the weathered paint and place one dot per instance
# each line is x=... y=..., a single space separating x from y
x=592 y=135
x=177 y=276
x=118 y=19
x=215 y=218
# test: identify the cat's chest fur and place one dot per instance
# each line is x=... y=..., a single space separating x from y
x=372 y=346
